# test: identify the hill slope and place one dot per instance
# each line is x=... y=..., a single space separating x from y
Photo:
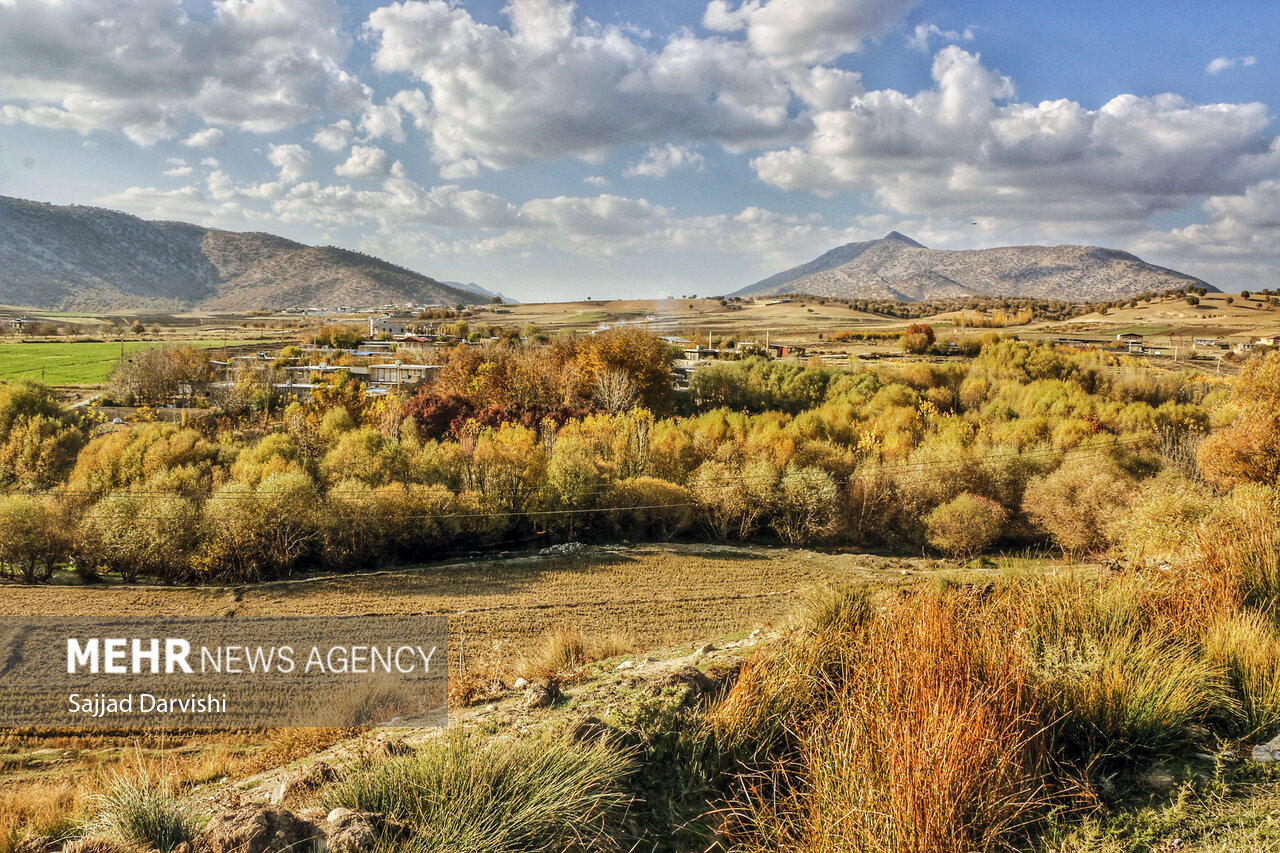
x=93 y=259
x=897 y=267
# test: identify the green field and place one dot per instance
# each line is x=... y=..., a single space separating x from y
x=74 y=363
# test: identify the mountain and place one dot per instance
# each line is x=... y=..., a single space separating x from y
x=78 y=258
x=897 y=267
x=472 y=287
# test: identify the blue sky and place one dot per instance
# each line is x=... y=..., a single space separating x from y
x=554 y=150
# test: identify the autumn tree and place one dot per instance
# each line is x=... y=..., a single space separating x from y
x=38 y=437
x=642 y=357
x=1248 y=451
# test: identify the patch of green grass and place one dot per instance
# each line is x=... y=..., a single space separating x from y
x=74 y=362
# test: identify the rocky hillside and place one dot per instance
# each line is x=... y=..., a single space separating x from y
x=897 y=267
x=91 y=259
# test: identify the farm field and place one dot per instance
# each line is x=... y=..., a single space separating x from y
x=646 y=597
x=76 y=362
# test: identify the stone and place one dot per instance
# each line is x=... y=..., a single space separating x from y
x=541 y=694
x=687 y=682
x=382 y=749
x=521 y=684
x=352 y=831
x=1269 y=752
x=707 y=649
x=626 y=664
x=588 y=729
x=259 y=829
x=306 y=781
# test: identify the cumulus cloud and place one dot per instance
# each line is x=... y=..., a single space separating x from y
x=661 y=161
x=142 y=66
x=552 y=85
x=210 y=137
x=366 y=161
x=807 y=31
x=293 y=161
x=336 y=136
x=968 y=148
x=1222 y=63
x=596 y=181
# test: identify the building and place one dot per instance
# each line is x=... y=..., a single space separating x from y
x=388 y=325
x=396 y=374
x=1269 y=340
x=1207 y=343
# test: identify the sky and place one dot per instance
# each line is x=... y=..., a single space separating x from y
x=553 y=150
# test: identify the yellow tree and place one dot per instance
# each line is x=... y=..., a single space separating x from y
x=1248 y=451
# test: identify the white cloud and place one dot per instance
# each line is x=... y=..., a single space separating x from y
x=968 y=148
x=596 y=181
x=178 y=168
x=187 y=204
x=1222 y=63
x=334 y=137
x=551 y=86
x=807 y=31
x=381 y=120
x=210 y=137
x=210 y=162
x=293 y=161
x=366 y=161
x=659 y=162
x=923 y=34
x=143 y=66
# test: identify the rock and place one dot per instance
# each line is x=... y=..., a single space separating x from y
x=588 y=729
x=754 y=634
x=351 y=831
x=1269 y=752
x=626 y=664
x=259 y=829
x=383 y=749
x=37 y=844
x=541 y=694
x=95 y=844
x=567 y=549
x=308 y=780
x=1159 y=779
x=521 y=684
x=707 y=649
x=687 y=682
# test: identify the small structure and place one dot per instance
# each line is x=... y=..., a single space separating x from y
x=1269 y=340
x=1207 y=343
x=389 y=325
x=396 y=374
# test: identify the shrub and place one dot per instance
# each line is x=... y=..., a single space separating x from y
x=807 y=506
x=143 y=813
x=835 y=609
x=565 y=648
x=965 y=526
x=1245 y=647
x=531 y=795
x=1075 y=505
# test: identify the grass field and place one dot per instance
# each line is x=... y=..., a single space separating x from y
x=74 y=362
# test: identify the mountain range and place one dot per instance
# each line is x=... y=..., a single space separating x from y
x=897 y=267
x=79 y=258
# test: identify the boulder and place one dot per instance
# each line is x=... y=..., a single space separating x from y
x=542 y=693
x=687 y=682
x=1269 y=752
x=351 y=831
x=259 y=829
x=306 y=781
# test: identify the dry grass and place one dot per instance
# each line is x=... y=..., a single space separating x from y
x=565 y=649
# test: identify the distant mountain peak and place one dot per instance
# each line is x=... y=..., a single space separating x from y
x=85 y=258
x=899 y=237
x=897 y=267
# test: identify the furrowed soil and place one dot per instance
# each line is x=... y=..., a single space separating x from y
x=499 y=608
